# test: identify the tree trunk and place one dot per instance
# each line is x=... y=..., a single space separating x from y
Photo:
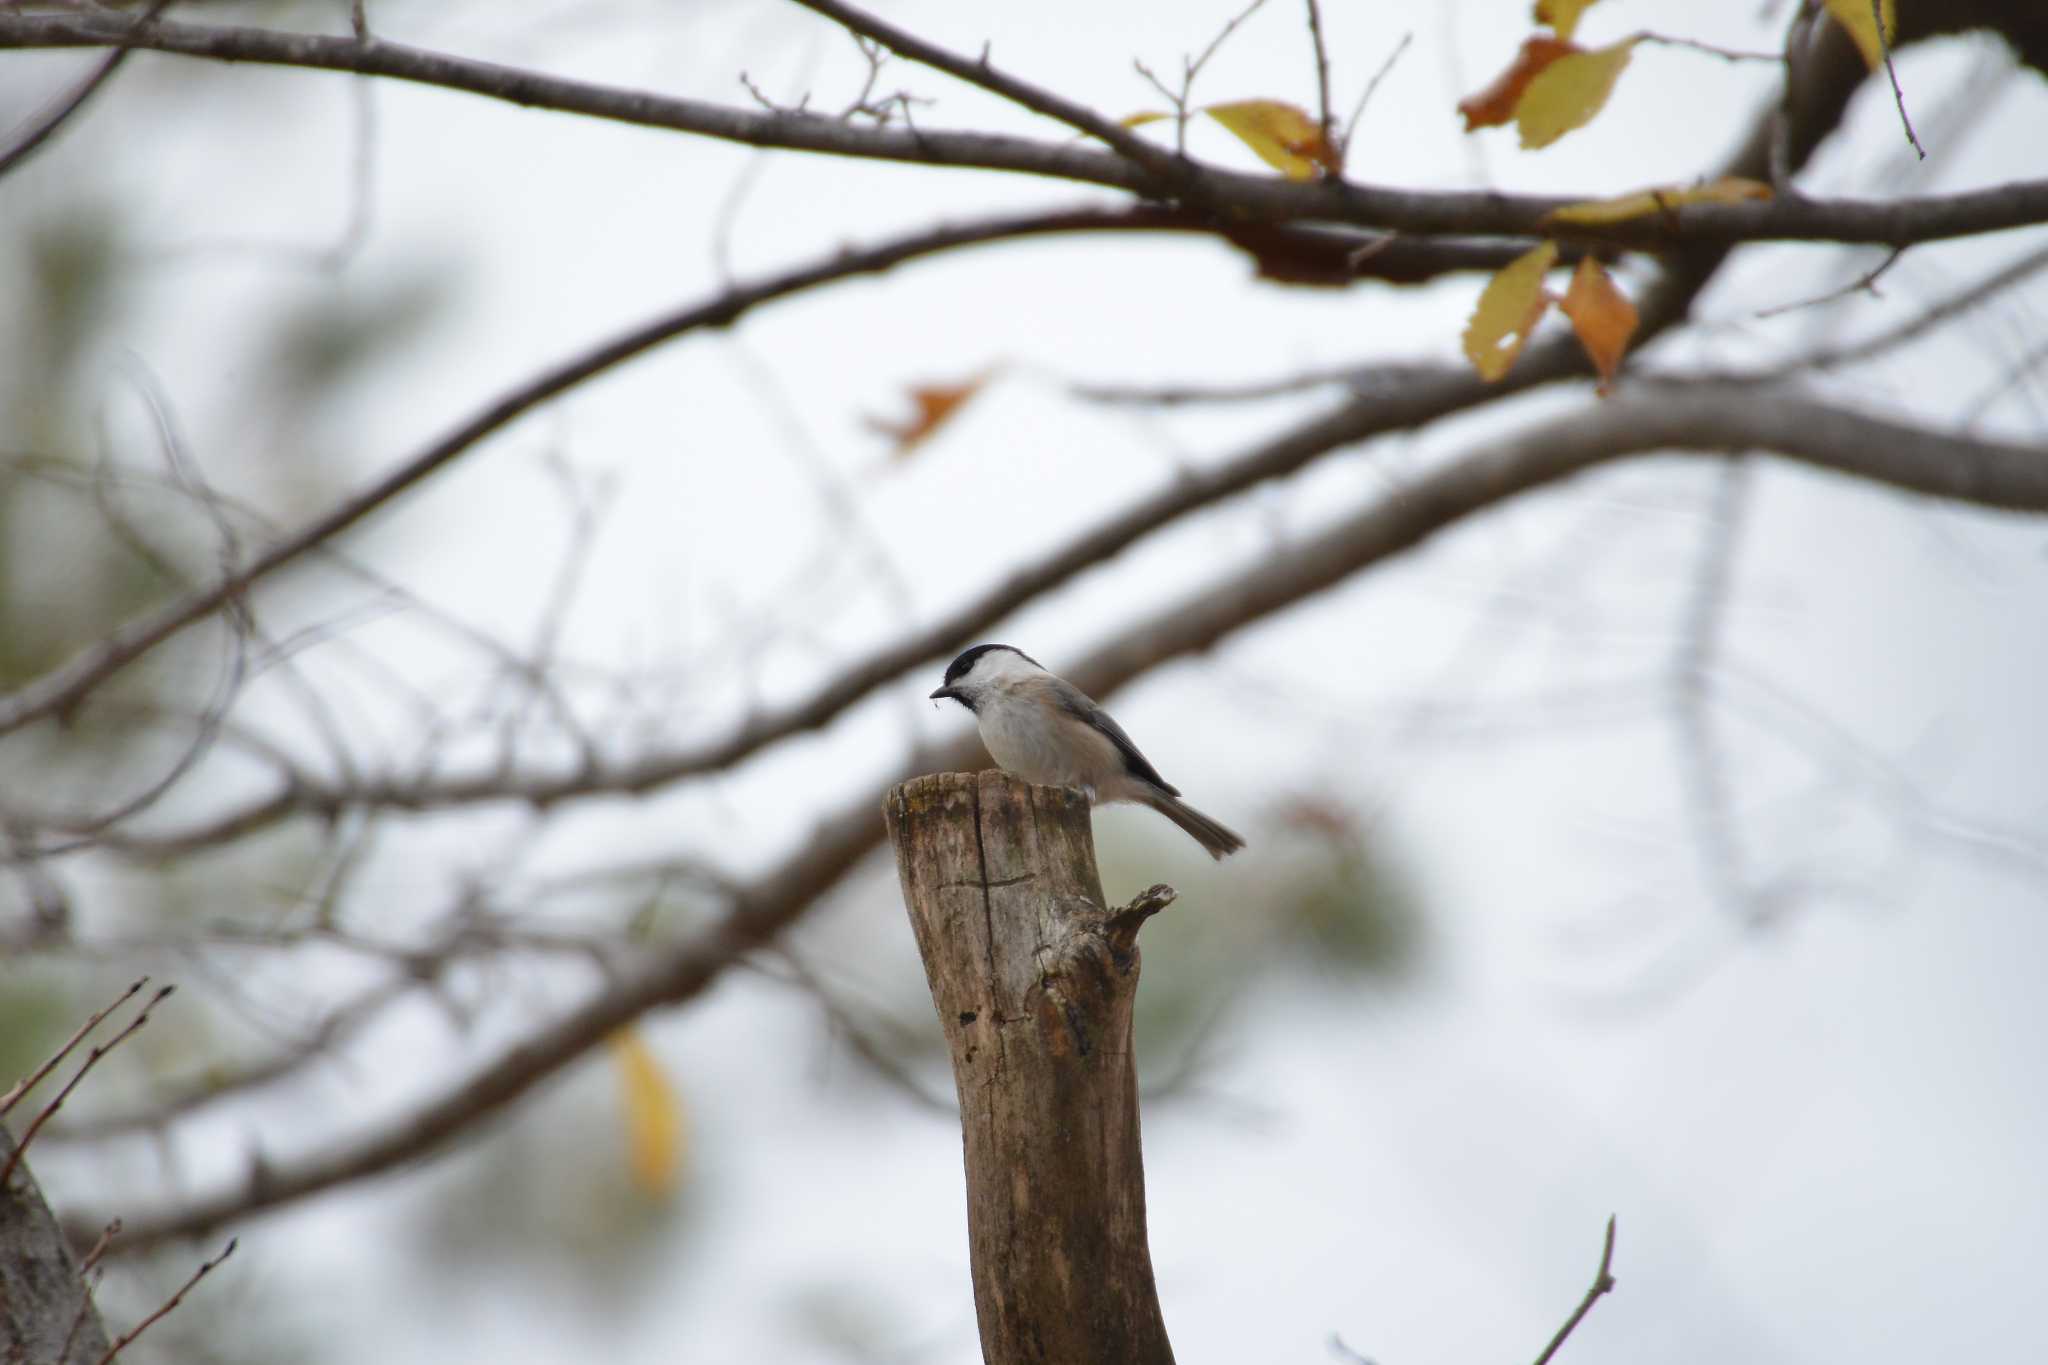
x=1034 y=980
x=46 y=1314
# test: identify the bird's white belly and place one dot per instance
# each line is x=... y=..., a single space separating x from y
x=1031 y=751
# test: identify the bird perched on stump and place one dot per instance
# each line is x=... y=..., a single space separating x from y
x=1042 y=728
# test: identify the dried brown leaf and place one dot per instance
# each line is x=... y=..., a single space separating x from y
x=1602 y=316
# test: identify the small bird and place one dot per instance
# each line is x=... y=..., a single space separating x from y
x=1042 y=728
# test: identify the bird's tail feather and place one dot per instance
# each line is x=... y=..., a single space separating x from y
x=1220 y=841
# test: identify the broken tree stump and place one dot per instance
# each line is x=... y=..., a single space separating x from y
x=1034 y=979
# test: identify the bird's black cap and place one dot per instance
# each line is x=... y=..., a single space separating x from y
x=958 y=669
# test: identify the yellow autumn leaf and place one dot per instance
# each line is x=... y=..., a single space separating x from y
x=1857 y=17
x=1141 y=118
x=655 y=1123
x=1602 y=316
x=1569 y=92
x=1285 y=136
x=1495 y=105
x=1508 y=310
x=1562 y=15
x=1729 y=189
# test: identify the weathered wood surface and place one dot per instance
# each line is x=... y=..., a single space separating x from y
x=45 y=1314
x=1034 y=979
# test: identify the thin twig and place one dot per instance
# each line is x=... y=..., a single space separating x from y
x=99 y=1248
x=205 y=1269
x=1866 y=283
x=41 y=130
x=981 y=72
x=2015 y=375
x=1603 y=1282
x=1884 y=45
x=28 y=1083
x=1913 y=328
x=1371 y=87
x=1726 y=54
x=1190 y=68
x=1315 y=33
x=1194 y=68
x=91 y=1060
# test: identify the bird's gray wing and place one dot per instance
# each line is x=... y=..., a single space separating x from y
x=1077 y=704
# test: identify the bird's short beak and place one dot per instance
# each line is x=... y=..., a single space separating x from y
x=944 y=693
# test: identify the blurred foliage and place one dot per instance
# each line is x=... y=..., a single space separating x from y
x=337 y=337
x=1350 y=908
x=1314 y=893
x=63 y=578
x=61 y=281
x=36 y=1016
x=1316 y=896
x=552 y=1197
x=842 y=1320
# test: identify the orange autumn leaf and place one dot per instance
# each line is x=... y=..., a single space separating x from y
x=1729 y=189
x=1495 y=104
x=1857 y=17
x=1602 y=316
x=1285 y=137
x=1562 y=15
x=1569 y=92
x=1508 y=310
x=654 y=1115
x=935 y=405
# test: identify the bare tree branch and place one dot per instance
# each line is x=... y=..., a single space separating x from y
x=1423 y=400
x=1709 y=419
x=64 y=687
x=1903 y=221
x=666 y=978
x=1284 y=226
